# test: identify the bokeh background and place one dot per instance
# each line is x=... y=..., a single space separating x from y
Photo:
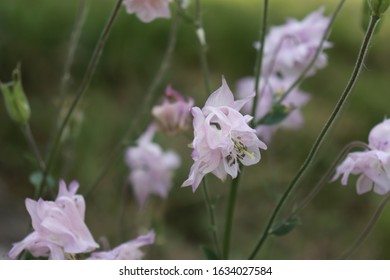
x=37 y=35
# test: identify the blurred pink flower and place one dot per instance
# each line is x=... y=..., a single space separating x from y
x=270 y=91
x=373 y=165
x=174 y=114
x=59 y=228
x=148 y=10
x=379 y=137
x=289 y=48
x=151 y=169
x=126 y=251
x=222 y=138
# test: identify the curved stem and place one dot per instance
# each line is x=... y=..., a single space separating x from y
x=323 y=133
x=363 y=236
x=84 y=85
x=213 y=225
x=325 y=178
x=259 y=59
x=146 y=107
x=229 y=216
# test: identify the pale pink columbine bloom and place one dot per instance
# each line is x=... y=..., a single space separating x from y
x=222 y=138
x=270 y=91
x=148 y=10
x=59 y=228
x=290 y=47
x=126 y=251
x=174 y=114
x=373 y=165
x=151 y=169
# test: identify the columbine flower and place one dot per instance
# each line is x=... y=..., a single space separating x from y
x=151 y=167
x=126 y=251
x=59 y=228
x=270 y=91
x=290 y=47
x=372 y=165
x=174 y=114
x=222 y=138
x=148 y=10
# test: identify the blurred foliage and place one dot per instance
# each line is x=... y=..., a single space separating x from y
x=37 y=35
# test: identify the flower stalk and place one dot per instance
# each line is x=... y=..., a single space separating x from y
x=317 y=144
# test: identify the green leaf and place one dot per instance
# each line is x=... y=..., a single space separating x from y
x=285 y=227
x=277 y=114
x=209 y=253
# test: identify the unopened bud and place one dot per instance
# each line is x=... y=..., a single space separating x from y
x=15 y=99
x=378 y=7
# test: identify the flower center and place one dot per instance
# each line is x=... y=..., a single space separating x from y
x=239 y=151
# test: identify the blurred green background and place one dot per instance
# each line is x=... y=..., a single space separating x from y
x=37 y=35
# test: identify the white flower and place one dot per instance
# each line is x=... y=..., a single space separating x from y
x=372 y=165
x=126 y=251
x=290 y=47
x=222 y=138
x=148 y=10
x=151 y=169
x=59 y=228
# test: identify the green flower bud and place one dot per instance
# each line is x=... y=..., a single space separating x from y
x=378 y=7
x=15 y=98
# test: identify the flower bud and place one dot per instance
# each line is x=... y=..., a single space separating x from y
x=378 y=7
x=15 y=99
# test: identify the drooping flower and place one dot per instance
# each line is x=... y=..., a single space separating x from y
x=151 y=169
x=372 y=165
x=59 y=228
x=148 y=10
x=270 y=91
x=174 y=114
x=126 y=251
x=290 y=47
x=222 y=138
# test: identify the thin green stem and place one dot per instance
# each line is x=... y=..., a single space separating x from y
x=33 y=145
x=259 y=59
x=148 y=101
x=84 y=86
x=323 y=133
x=229 y=216
x=326 y=177
x=73 y=43
x=213 y=225
x=203 y=46
x=370 y=226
